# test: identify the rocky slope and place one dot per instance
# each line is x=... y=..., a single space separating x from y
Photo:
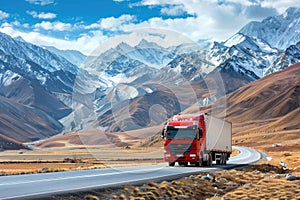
x=74 y=57
x=278 y=31
x=34 y=82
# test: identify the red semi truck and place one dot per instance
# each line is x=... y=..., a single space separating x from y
x=197 y=139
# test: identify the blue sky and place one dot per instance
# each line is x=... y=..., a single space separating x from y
x=85 y=24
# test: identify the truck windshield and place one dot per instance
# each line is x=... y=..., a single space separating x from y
x=187 y=134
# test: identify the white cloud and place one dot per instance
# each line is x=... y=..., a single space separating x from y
x=16 y=23
x=40 y=2
x=3 y=15
x=92 y=26
x=193 y=28
x=173 y=10
x=212 y=19
x=85 y=43
x=26 y=25
x=42 y=15
x=54 y=26
x=280 y=6
x=113 y=24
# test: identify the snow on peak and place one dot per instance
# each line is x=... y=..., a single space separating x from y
x=8 y=77
x=124 y=47
x=291 y=12
x=234 y=40
x=144 y=44
x=279 y=31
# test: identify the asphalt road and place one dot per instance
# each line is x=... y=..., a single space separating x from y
x=42 y=185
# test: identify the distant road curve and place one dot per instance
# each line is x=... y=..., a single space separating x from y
x=42 y=185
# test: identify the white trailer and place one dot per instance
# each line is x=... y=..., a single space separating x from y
x=218 y=139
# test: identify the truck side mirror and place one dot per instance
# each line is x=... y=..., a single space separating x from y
x=163 y=134
x=200 y=133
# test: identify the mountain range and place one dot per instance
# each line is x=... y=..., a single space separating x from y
x=45 y=91
x=34 y=85
x=262 y=112
x=239 y=60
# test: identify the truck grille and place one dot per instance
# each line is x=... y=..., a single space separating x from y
x=180 y=148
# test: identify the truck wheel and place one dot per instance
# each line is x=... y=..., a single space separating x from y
x=218 y=162
x=171 y=164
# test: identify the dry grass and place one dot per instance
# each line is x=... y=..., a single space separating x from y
x=14 y=167
x=261 y=181
x=63 y=159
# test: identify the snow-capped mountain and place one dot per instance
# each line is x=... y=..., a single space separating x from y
x=191 y=66
x=124 y=58
x=245 y=56
x=114 y=76
x=35 y=63
x=74 y=57
x=49 y=61
x=290 y=56
x=258 y=49
x=279 y=31
x=261 y=48
x=36 y=82
x=132 y=71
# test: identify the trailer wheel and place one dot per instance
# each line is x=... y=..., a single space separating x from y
x=225 y=159
x=200 y=163
x=222 y=159
x=209 y=162
x=171 y=164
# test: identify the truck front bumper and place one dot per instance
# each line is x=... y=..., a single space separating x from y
x=181 y=157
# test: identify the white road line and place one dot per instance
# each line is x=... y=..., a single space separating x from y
x=74 y=177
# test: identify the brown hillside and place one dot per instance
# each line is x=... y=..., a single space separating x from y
x=275 y=98
x=100 y=138
x=7 y=143
x=25 y=123
x=145 y=111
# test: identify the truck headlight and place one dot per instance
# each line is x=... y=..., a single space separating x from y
x=192 y=155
